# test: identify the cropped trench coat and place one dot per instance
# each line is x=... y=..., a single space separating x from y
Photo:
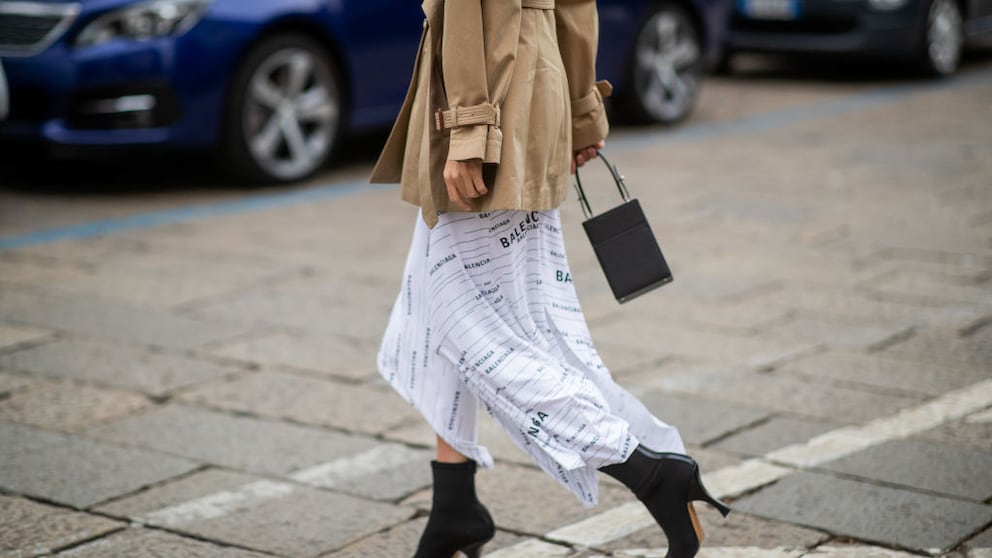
x=510 y=82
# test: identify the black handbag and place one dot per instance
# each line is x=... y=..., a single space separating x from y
x=624 y=244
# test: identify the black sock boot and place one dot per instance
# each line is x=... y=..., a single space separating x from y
x=667 y=483
x=458 y=521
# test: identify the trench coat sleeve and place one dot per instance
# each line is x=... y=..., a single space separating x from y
x=477 y=64
x=577 y=23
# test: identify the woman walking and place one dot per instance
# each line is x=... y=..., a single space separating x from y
x=502 y=107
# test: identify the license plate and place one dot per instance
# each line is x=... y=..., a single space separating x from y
x=770 y=9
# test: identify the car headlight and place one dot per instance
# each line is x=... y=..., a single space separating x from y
x=887 y=4
x=147 y=20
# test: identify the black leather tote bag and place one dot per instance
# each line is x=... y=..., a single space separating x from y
x=624 y=244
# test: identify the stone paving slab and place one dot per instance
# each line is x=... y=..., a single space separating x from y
x=385 y=472
x=26 y=270
x=916 y=285
x=18 y=438
x=283 y=518
x=847 y=304
x=12 y=336
x=158 y=289
x=742 y=318
x=946 y=346
x=884 y=515
x=928 y=466
x=345 y=286
x=139 y=542
x=239 y=442
x=973 y=432
x=310 y=313
x=966 y=273
x=81 y=472
x=738 y=530
x=709 y=347
x=855 y=551
x=108 y=318
x=320 y=354
x=623 y=361
x=982 y=540
x=491 y=435
x=123 y=366
x=68 y=406
x=11 y=383
x=401 y=541
x=699 y=420
x=160 y=279
x=775 y=392
x=778 y=432
x=309 y=400
x=925 y=378
x=834 y=333
x=20 y=535
x=526 y=500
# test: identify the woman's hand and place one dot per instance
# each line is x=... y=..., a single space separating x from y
x=464 y=181
x=580 y=157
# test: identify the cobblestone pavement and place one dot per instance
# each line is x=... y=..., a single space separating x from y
x=199 y=381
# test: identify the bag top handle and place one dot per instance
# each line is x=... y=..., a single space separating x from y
x=584 y=202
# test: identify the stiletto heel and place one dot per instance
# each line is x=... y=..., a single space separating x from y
x=698 y=492
x=667 y=484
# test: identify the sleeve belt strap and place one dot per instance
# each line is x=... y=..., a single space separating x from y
x=591 y=101
x=467 y=116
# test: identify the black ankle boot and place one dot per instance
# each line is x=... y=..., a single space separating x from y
x=667 y=484
x=458 y=521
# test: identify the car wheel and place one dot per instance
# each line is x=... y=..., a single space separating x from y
x=943 y=38
x=284 y=111
x=663 y=80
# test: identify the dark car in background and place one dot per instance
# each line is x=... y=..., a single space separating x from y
x=274 y=85
x=929 y=33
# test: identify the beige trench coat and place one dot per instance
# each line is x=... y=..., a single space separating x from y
x=510 y=82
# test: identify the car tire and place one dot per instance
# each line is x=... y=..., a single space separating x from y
x=942 y=38
x=663 y=76
x=284 y=112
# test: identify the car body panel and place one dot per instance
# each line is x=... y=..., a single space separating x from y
x=372 y=44
x=842 y=27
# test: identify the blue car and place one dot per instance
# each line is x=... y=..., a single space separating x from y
x=274 y=86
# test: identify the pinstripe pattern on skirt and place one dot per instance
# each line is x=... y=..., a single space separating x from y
x=487 y=313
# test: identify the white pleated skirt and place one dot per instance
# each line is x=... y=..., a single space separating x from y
x=488 y=313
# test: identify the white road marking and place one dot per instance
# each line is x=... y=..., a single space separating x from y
x=983 y=417
x=618 y=522
x=855 y=552
x=845 y=441
x=531 y=548
x=341 y=471
x=779 y=552
x=327 y=475
x=610 y=525
x=217 y=504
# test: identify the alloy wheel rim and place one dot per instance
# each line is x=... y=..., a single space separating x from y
x=944 y=37
x=667 y=57
x=291 y=114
